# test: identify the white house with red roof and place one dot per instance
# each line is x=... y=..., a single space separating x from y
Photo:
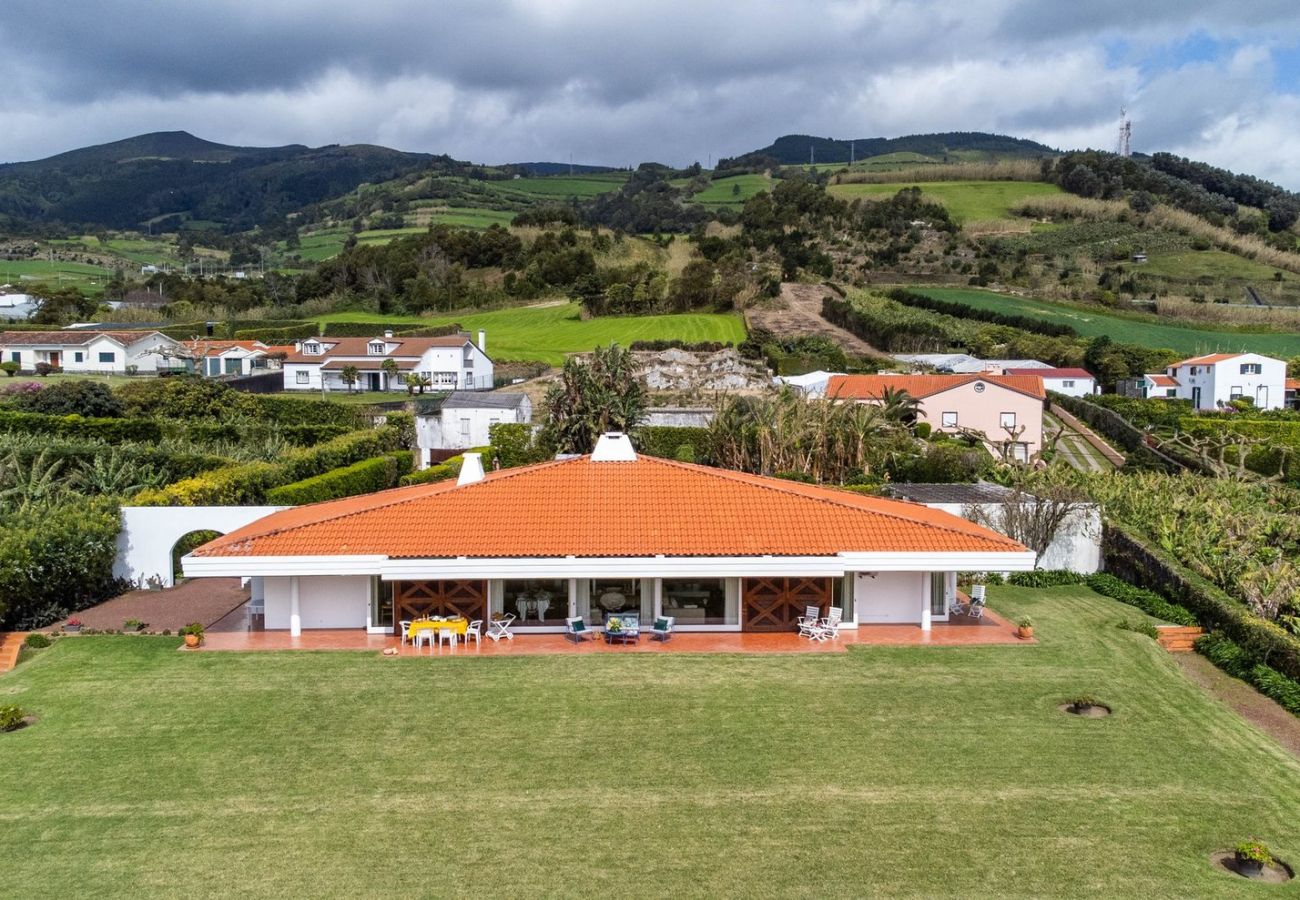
x=1214 y=380
x=1006 y=411
x=99 y=352
x=218 y=357
x=1072 y=382
x=449 y=363
x=612 y=533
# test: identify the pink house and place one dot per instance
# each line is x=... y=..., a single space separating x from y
x=1006 y=410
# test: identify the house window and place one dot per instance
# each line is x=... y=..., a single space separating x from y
x=464 y=428
x=15 y=356
x=469 y=356
x=1020 y=452
x=1234 y=392
x=443 y=378
x=1251 y=368
x=1007 y=420
x=1068 y=382
x=697 y=601
x=302 y=377
x=381 y=603
x=377 y=348
x=948 y=420
x=535 y=601
x=311 y=347
x=1171 y=392
x=611 y=597
x=78 y=356
x=107 y=356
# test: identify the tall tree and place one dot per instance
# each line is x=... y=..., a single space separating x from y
x=595 y=395
x=349 y=375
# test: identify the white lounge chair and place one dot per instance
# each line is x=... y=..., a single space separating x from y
x=500 y=628
x=977 y=592
x=831 y=624
x=576 y=630
x=810 y=623
x=976 y=610
x=662 y=629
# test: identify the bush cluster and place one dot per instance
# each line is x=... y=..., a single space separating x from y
x=1040 y=578
x=1238 y=663
x=963 y=311
x=367 y=476
x=1149 y=602
x=110 y=430
x=672 y=442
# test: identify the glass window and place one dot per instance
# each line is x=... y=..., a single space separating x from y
x=301 y=377
x=107 y=356
x=1067 y=383
x=1008 y=420
x=536 y=601
x=938 y=594
x=381 y=604
x=78 y=356
x=612 y=596
x=696 y=601
x=15 y=356
x=949 y=420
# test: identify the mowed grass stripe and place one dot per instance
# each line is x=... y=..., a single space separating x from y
x=914 y=771
x=1091 y=322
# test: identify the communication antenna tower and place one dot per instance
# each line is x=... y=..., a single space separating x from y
x=1123 y=143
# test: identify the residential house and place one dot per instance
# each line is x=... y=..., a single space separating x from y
x=1006 y=411
x=1071 y=382
x=965 y=364
x=1293 y=393
x=214 y=357
x=1157 y=385
x=463 y=419
x=608 y=533
x=1213 y=381
x=98 y=352
x=810 y=384
x=449 y=363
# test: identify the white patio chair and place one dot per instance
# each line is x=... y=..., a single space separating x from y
x=425 y=636
x=576 y=630
x=475 y=631
x=662 y=629
x=831 y=624
x=500 y=628
x=402 y=628
x=957 y=608
x=447 y=636
x=976 y=610
x=810 y=623
x=977 y=593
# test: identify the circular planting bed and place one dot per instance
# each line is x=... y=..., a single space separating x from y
x=1276 y=872
x=1090 y=709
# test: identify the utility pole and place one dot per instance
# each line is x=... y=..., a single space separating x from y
x=853 y=152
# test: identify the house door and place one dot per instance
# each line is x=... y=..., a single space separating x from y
x=775 y=604
x=374 y=381
x=1261 y=397
x=415 y=599
x=55 y=358
x=1196 y=398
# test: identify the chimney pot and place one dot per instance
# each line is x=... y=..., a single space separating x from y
x=471 y=469
x=482 y=340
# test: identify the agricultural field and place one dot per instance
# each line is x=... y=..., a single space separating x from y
x=552 y=332
x=966 y=201
x=295 y=773
x=562 y=187
x=733 y=191
x=1133 y=328
x=88 y=278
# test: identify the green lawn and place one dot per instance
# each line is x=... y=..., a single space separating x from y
x=90 y=279
x=887 y=771
x=966 y=201
x=734 y=190
x=549 y=333
x=1137 y=328
x=561 y=187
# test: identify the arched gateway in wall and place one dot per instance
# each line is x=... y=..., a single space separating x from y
x=144 y=545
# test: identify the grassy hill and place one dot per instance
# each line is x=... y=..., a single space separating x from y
x=1134 y=327
x=793 y=149
x=966 y=201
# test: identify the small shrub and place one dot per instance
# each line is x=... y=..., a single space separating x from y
x=1040 y=578
x=9 y=367
x=37 y=641
x=194 y=628
x=1253 y=851
x=12 y=717
x=1140 y=627
x=134 y=625
x=1149 y=602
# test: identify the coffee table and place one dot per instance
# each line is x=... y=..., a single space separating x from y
x=623 y=636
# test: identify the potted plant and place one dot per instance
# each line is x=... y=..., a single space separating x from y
x=134 y=625
x=1252 y=856
x=1026 y=627
x=73 y=625
x=193 y=634
x=613 y=626
x=1082 y=703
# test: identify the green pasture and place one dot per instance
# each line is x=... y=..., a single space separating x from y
x=734 y=190
x=966 y=201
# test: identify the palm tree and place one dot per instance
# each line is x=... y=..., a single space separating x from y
x=898 y=405
x=389 y=367
x=417 y=380
x=349 y=375
x=594 y=395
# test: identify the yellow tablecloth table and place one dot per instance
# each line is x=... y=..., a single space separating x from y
x=459 y=626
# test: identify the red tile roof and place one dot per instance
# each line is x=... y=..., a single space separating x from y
x=870 y=387
x=216 y=348
x=1163 y=380
x=1293 y=384
x=360 y=346
x=69 y=338
x=577 y=507
x=1051 y=373
x=1208 y=360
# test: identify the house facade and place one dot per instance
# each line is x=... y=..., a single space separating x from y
x=92 y=352
x=609 y=533
x=1006 y=410
x=464 y=419
x=1215 y=380
x=213 y=358
x=1071 y=382
x=447 y=363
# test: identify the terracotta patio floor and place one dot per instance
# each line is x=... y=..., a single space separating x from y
x=231 y=634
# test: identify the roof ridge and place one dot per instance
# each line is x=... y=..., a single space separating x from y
x=744 y=477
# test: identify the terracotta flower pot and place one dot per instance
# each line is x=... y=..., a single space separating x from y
x=192 y=640
x=1026 y=631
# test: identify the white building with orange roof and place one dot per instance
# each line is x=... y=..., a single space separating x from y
x=384 y=362
x=1007 y=410
x=214 y=357
x=117 y=352
x=612 y=533
x=1214 y=380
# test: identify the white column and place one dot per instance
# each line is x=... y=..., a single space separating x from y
x=573 y=597
x=925 y=601
x=295 y=608
x=257 y=588
x=658 y=599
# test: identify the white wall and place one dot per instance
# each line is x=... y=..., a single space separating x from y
x=442 y=431
x=1077 y=546
x=889 y=597
x=1078 y=387
x=1220 y=381
x=291 y=371
x=324 y=601
x=144 y=545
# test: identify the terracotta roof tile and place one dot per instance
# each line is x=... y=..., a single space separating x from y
x=870 y=387
x=73 y=338
x=577 y=507
x=360 y=346
x=1207 y=360
x=1051 y=373
x=1163 y=380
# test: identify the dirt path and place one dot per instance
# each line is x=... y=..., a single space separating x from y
x=801 y=313
x=1253 y=706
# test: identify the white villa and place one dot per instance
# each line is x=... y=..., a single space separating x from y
x=1073 y=382
x=464 y=419
x=450 y=363
x=1213 y=381
x=217 y=357
x=605 y=534
x=97 y=352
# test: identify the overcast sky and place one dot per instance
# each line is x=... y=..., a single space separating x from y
x=618 y=82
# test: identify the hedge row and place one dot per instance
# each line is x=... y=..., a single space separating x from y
x=112 y=430
x=56 y=560
x=302 y=411
x=1149 y=602
x=247 y=484
x=1237 y=662
x=963 y=311
x=284 y=335
x=76 y=453
x=298 y=435
x=674 y=344
x=365 y=477
x=1040 y=578
x=687 y=443
x=1119 y=430
x=1133 y=559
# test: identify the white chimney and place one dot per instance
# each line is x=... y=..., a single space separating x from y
x=388 y=332
x=482 y=340
x=614 y=446
x=471 y=470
